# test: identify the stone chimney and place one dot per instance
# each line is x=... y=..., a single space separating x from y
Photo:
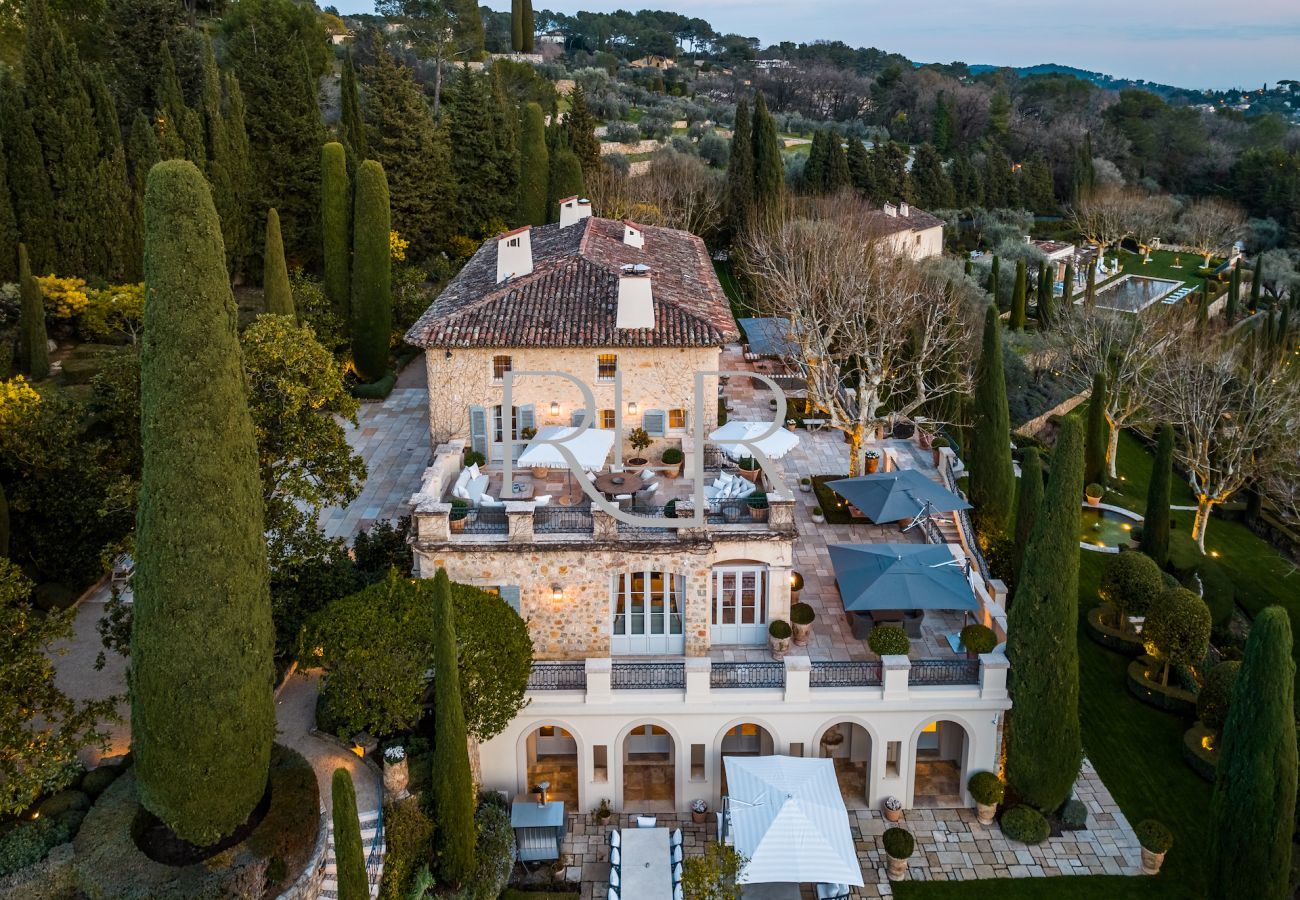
x=573 y=210
x=904 y=210
x=633 y=236
x=635 y=301
x=514 y=254
x=891 y=210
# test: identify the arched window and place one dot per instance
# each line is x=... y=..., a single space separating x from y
x=647 y=613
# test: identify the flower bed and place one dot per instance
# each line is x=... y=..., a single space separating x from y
x=1170 y=698
x=1109 y=637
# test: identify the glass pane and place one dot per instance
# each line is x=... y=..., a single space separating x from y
x=620 y=617
x=727 y=598
x=636 y=600
x=675 y=604
x=748 y=596
x=657 y=614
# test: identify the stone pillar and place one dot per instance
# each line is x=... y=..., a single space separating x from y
x=432 y=522
x=993 y=676
x=604 y=527
x=519 y=522
x=894 y=674
x=600 y=673
x=778 y=592
x=699 y=670
x=780 y=512
x=798 y=671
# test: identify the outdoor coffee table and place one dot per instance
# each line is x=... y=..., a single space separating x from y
x=519 y=490
x=619 y=483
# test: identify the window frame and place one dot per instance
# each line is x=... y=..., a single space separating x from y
x=499 y=378
x=668 y=419
x=601 y=360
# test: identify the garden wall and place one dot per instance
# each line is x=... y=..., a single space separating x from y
x=1034 y=427
x=308 y=885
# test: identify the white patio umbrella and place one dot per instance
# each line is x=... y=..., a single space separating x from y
x=590 y=448
x=788 y=819
x=775 y=446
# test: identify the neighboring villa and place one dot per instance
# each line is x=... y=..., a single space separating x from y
x=913 y=231
x=651 y=643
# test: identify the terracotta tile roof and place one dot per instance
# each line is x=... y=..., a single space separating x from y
x=915 y=220
x=571 y=297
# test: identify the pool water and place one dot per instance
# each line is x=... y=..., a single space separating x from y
x=1104 y=527
x=1134 y=292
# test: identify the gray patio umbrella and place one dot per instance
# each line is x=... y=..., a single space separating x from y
x=901 y=576
x=896 y=495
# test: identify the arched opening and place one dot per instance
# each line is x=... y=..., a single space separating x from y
x=848 y=744
x=745 y=739
x=551 y=754
x=649 y=770
x=940 y=768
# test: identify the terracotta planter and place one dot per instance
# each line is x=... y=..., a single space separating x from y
x=897 y=868
x=539 y=472
x=699 y=818
x=938 y=456
x=778 y=646
x=801 y=632
x=638 y=462
x=758 y=513
x=892 y=815
x=924 y=439
x=1093 y=501
x=790 y=427
x=986 y=812
x=672 y=471
x=750 y=475
x=603 y=821
x=1151 y=862
x=457 y=525
x=396 y=777
x=873 y=463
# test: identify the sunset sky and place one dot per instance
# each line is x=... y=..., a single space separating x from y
x=1193 y=43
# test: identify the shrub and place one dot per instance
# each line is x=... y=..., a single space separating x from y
x=495 y=854
x=473 y=458
x=987 y=788
x=978 y=638
x=348 y=851
x=779 y=629
x=639 y=438
x=1094 y=490
x=1025 y=824
x=1074 y=814
x=96 y=781
x=64 y=801
x=898 y=842
x=408 y=833
x=376 y=390
x=1129 y=582
x=757 y=500
x=801 y=613
x=1215 y=698
x=748 y=464
x=1154 y=836
x=940 y=442
x=670 y=509
x=889 y=640
x=27 y=843
x=459 y=509
x=1177 y=629
x=672 y=456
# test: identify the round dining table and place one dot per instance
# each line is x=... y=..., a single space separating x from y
x=612 y=483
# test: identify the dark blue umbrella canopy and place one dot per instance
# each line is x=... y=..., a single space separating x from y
x=900 y=494
x=769 y=337
x=901 y=576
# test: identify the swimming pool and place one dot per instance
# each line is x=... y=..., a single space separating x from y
x=1134 y=292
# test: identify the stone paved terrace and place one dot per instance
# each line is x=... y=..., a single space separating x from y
x=951 y=846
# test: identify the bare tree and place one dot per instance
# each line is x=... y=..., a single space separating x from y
x=1106 y=217
x=1151 y=217
x=677 y=191
x=1209 y=226
x=427 y=28
x=1232 y=409
x=877 y=335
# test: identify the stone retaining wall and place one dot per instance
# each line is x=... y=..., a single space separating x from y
x=308 y=884
x=50 y=879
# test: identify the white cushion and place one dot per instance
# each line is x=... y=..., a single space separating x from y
x=651 y=487
x=489 y=500
x=474 y=490
x=542 y=500
x=712 y=493
x=646 y=821
x=622 y=496
x=474 y=471
x=459 y=488
x=721 y=481
x=647 y=473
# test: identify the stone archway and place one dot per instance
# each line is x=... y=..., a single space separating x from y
x=743 y=739
x=649 y=755
x=850 y=746
x=940 y=754
x=551 y=755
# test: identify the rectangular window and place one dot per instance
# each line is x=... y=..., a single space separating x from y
x=697 y=762
x=677 y=419
x=600 y=763
x=607 y=419
x=606 y=366
x=500 y=366
x=796 y=749
x=893 y=755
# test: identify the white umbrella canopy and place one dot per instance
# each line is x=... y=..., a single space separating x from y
x=775 y=446
x=590 y=448
x=788 y=819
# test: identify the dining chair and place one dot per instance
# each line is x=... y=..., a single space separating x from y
x=613 y=878
x=614 y=839
x=675 y=839
x=677 y=873
x=676 y=854
x=615 y=858
x=613 y=893
x=646 y=821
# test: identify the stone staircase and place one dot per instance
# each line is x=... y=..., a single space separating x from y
x=372 y=843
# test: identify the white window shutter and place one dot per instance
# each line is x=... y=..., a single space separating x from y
x=478 y=438
x=654 y=422
x=510 y=594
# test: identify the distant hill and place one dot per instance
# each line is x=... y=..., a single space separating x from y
x=1100 y=79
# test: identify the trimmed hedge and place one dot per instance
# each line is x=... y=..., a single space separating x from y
x=376 y=390
x=1111 y=638
x=889 y=640
x=1150 y=691
x=1026 y=825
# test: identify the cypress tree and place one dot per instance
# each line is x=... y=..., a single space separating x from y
x=740 y=170
x=1094 y=458
x=1029 y=499
x=335 y=218
x=1090 y=292
x=929 y=187
x=534 y=166
x=530 y=26
x=33 y=343
x=769 y=169
x=814 y=169
x=1155 y=527
x=1234 y=295
x=1067 y=299
x=517 y=25
x=349 y=856
x=29 y=180
x=352 y=123
x=236 y=160
x=1046 y=297
x=859 y=164
x=467 y=28
x=1252 y=813
x=837 y=164
x=453 y=787
x=8 y=225
x=118 y=254
x=1043 y=745
x=968 y=267
x=4 y=524
x=1018 y=297
x=581 y=126
x=992 y=480
x=372 y=301
x=1256 y=282
x=180 y=131
x=277 y=298
x=566 y=178
x=995 y=275
x=202 y=712
x=1203 y=306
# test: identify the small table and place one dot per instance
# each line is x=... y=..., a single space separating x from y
x=619 y=483
x=647 y=872
x=519 y=490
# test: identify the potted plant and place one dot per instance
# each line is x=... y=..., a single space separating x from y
x=639 y=438
x=889 y=640
x=937 y=445
x=772 y=403
x=899 y=844
x=1094 y=493
x=757 y=503
x=527 y=433
x=778 y=638
x=978 y=639
x=892 y=807
x=790 y=424
x=459 y=511
x=873 y=461
x=987 y=790
x=749 y=468
x=699 y=811
x=801 y=617
x=805 y=485
x=473 y=458
x=817 y=515
x=1156 y=840
x=396 y=773
x=672 y=459
x=670 y=509
x=602 y=812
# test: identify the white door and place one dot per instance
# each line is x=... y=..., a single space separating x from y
x=502 y=430
x=647 y=608
x=739 y=605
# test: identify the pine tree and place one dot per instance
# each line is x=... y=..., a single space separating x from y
x=530 y=26
x=929 y=187
x=1252 y=813
x=517 y=25
x=1094 y=457
x=1234 y=295
x=1029 y=499
x=534 y=167
x=372 y=300
x=740 y=171
x=1155 y=527
x=335 y=220
x=29 y=181
x=887 y=179
x=992 y=480
x=352 y=124
x=453 y=797
x=33 y=344
x=202 y=711
x=966 y=184
x=483 y=170
x=1256 y=281
x=1203 y=306
x=769 y=169
x=814 y=168
x=581 y=127
x=1018 y=297
x=467 y=28
x=8 y=225
x=349 y=855
x=503 y=120
x=1000 y=188
x=838 y=176
x=1067 y=299
x=1036 y=186
x=566 y=178
x=1046 y=297
x=943 y=125
x=277 y=298
x=1043 y=745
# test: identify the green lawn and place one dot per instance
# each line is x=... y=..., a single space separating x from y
x=731 y=287
x=1162 y=265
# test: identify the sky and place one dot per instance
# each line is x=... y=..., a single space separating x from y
x=1188 y=43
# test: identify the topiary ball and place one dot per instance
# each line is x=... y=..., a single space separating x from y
x=987 y=788
x=802 y=614
x=978 y=638
x=889 y=640
x=1025 y=824
x=1154 y=836
x=898 y=842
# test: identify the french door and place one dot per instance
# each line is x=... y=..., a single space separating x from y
x=647 y=610
x=739 y=605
